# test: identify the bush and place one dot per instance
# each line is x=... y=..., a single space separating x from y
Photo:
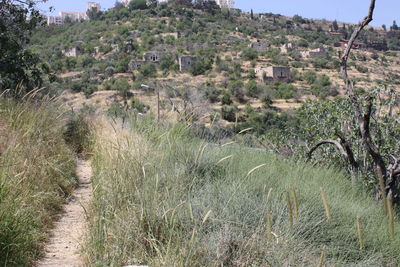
x=139 y=106
x=310 y=77
x=252 y=89
x=226 y=98
x=148 y=70
x=320 y=63
x=167 y=62
x=250 y=54
x=236 y=88
x=229 y=112
x=137 y=4
x=361 y=69
x=77 y=134
x=284 y=90
x=201 y=66
x=211 y=93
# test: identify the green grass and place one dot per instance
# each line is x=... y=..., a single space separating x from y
x=36 y=174
x=164 y=198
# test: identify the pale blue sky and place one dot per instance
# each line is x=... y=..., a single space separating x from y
x=341 y=10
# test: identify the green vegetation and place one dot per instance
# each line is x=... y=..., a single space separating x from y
x=164 y=198
x=36 y=175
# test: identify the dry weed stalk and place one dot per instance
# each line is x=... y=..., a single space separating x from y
x=360 y=233
x=269 y=226
x=289 y=205
x=296 y=203
x=326 y=204
x=322 y=259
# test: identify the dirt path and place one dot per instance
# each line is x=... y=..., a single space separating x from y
x=64 y=245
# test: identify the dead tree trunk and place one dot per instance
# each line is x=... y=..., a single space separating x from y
x=391 y=172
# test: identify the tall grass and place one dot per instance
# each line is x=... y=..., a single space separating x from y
x=36 y=175
x=163 y=198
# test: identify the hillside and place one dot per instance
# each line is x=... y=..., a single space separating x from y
x=182 y=134
x=233 y=51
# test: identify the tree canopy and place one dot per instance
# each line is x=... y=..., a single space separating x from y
x=20 y=69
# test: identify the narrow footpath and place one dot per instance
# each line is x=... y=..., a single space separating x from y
x=64 y=245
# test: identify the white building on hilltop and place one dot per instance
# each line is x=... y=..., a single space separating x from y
x=126 y=2
x=226 y=3
x=73 y=16
x=93 y=6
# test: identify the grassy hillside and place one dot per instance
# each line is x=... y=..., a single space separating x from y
x=36 y=175
x=225 y=79
x=164 y=198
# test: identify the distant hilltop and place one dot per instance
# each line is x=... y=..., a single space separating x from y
x=221 y=3
x=74 y=16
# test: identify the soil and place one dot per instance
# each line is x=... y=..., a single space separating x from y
x=63 y=248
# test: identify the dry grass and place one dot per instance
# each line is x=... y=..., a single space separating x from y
x=36 y=175
x=163 y=198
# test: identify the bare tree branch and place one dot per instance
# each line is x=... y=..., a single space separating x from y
x=338 y=145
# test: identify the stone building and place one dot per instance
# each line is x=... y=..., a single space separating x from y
x=287 y=48
x=174 y=35
x=319 y=52
x=73 y=16
x=275 y=73
x=185 y=62
x=73 y=52
x=226 y=3
x=259 y=46
x=152 y=56
x=56 y=20
x=135 y=64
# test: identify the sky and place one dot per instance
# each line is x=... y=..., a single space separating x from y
x=351 y=11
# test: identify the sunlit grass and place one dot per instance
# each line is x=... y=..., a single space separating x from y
x=164 y=198
x=36 y=174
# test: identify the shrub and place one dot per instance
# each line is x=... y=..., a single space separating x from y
x=310 y=77
x=201 y=66
x=236 y=88
x=250 y=54
x=226 y=98
x=361 y=69
x=320 y=63
x=148 y=70
x=139 y=106
x=285 y=90
x=252 y=89
x=229 y=112
x=167 y=62
x=137 y=4
x=211 y=93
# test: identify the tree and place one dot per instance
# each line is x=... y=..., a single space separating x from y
x=185 y=3
x=386 y=166
x=21 y=70
x=138 y=4
x=394 y=26
x=252 y=14
x=207 y=5
x=335 y=26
